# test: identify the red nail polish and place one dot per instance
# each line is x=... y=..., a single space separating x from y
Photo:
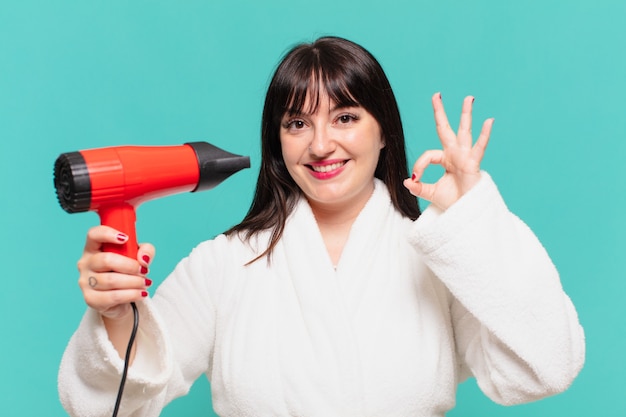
x=413 y=177
x=148 y=282
x=146 y=259
x=121 y=237
x=144 y=270
x=144 y=293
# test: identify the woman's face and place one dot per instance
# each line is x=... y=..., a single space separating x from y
x=332 y=154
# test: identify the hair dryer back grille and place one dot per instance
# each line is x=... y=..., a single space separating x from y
x=72 y=183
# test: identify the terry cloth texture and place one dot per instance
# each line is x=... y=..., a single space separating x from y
x=412 y=309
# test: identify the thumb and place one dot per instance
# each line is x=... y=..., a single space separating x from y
x=420 y=189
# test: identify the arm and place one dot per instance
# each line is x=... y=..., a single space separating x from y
x=90 y=371
x=171 y=352
x=110 y=282
x=515 y=328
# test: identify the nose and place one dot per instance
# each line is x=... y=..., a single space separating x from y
x=323 y=143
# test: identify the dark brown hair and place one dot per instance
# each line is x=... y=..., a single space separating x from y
x=351 y=76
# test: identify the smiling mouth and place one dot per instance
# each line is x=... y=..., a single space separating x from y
x=327 y=167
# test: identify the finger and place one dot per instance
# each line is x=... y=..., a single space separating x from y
x=420 y=189
x=483 y=138
x=145 y=254
x=464 y=134
x=98 y=235
x=444 y=131
x=107 y=281
x=111 y=262
x=430 y=157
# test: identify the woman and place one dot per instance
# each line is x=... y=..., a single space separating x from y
x=334 y=297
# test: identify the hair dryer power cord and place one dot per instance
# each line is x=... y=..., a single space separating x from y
x=127 y=358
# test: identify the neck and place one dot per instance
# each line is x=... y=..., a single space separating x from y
x=334 y=216
x=335 y=221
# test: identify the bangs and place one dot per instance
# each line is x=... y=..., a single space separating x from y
x=311 y=84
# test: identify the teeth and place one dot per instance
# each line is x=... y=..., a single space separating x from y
x=327 y=168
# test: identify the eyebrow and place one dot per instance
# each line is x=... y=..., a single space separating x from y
x=344 y=106
x=294 y=112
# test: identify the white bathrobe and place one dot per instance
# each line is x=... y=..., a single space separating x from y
x=411 y=309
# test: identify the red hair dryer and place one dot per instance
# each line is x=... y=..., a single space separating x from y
x=114 y=181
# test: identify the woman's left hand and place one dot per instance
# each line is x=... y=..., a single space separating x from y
x=460 y=158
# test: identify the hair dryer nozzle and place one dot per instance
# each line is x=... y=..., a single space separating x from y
x=216 y=164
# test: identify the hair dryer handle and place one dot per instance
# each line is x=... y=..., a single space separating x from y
x=122 y=218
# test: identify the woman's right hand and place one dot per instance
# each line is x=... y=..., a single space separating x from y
x=109 y=281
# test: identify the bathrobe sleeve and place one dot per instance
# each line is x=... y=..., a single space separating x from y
x=515 y=329
x=90 y=370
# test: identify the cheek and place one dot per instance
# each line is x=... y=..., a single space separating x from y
x=291 y=153
x=372 y=145
x=287 y=152
x=375 y=141
x=377 y=146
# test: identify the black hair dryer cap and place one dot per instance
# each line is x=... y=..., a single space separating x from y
x=72 y=183
x=216 y=164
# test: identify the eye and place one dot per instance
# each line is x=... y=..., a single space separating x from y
x=294 y=124
x=347 y=118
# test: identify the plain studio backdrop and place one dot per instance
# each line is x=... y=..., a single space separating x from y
x=85 y=74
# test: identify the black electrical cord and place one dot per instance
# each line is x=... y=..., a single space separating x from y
x=127 y=359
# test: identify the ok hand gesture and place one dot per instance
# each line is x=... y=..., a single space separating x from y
x=459 y=157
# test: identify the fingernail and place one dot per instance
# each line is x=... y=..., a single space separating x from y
x=439 y=96
x=148 y=282
x=144 y=293
x=472 y=99
x=146 y=259
x=144 y=270
x=121 y=237
x=413 y=177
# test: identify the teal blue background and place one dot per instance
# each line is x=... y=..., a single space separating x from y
x=85 y=74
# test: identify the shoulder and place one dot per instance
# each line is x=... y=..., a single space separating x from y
x=228 y=247
x=229 y=251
